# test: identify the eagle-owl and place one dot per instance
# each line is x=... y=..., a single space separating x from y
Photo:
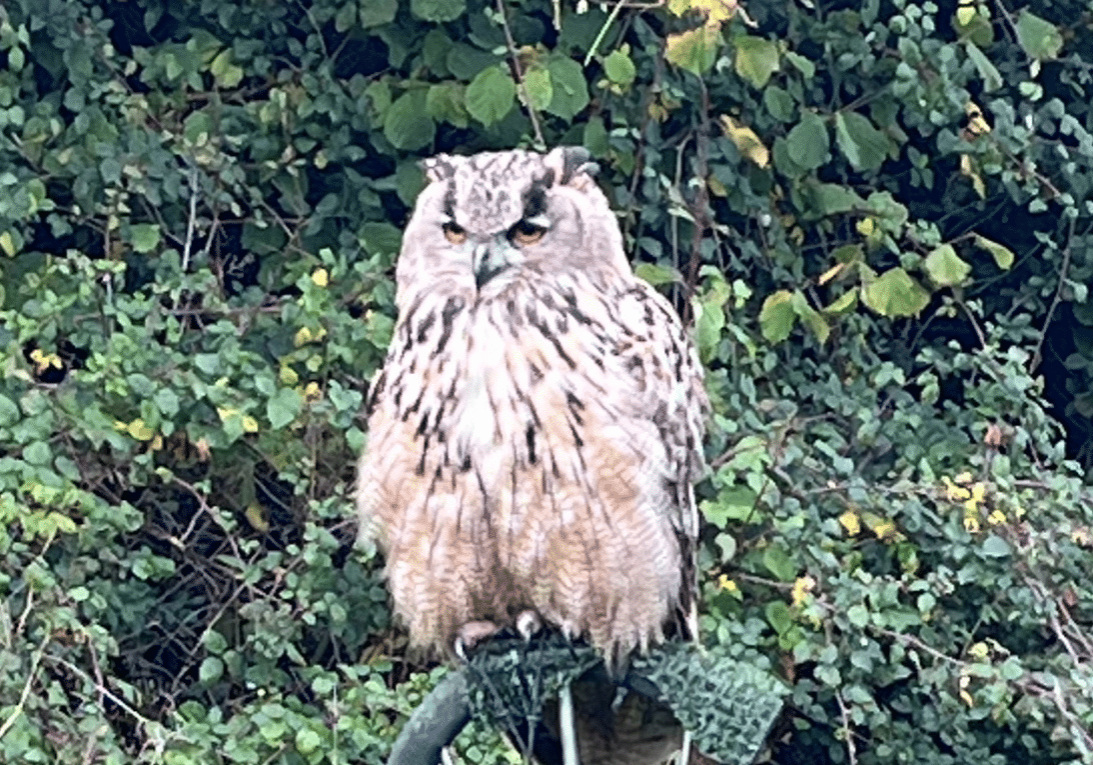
x=536 y=429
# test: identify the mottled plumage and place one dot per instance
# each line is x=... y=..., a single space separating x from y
x=536 y=429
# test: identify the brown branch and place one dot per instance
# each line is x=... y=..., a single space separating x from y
x=1036 y=357
x=519 y=72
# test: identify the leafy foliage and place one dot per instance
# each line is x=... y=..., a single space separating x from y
x=876 y=213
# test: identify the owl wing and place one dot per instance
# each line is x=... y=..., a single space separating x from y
x=658 y=355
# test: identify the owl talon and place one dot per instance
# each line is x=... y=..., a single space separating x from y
x=470 y=635
x=528 y=624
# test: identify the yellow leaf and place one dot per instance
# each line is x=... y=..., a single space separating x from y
x=256 y=516
x=996 y=518
x=971 y=524
x=157 y=443
x=831 y=273
x=250 y=425
x=746 y=141
x=802 y=587
x=302 y=337
x=312 y=391
x=224 y=412
x=288 y=377
x=717 y=188
x=139 y=430
x=866 y=226
x=7 y=243
x=727 y=584
x=964 y=15
x=850 y=522
x=321 y=277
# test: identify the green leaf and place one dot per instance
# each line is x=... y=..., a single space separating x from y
x=407 y=124
x=373 y=13
x=895 y=293
x=945 y=267
x=539 y=88
x=570 y=88
x=735 y=503
x=833 y=199
x=779 y=103
x=864 y=146
x=995 y=546
x=756 y=59
x=992 y=79
x=438 y=10
x=283 y=407
x=9 y=412
x=808 y=142
x=657 y=275
x=778 y=616
x=307 y=741
x=211 y=670
x=144 y=237
x=595 y=137
x=778 y=562
x=1039 y=38
x=858 y=615
x=777 y=317
x=490 y=95
x=226 y=74
x=694 y=50
x=842 y=304
x=1003 y=256
x=619 y=68
x=810 y=317
x=445 y=103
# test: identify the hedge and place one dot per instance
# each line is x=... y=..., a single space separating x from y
x=877 y=215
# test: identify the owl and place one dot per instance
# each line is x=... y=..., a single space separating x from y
x=535 y=432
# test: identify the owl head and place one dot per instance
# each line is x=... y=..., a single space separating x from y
x=486 y=220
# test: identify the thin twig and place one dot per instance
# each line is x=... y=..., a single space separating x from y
x=1036 y=357
x=31 y=676
x=540 y=143
x=191 y=223
x=851 y=748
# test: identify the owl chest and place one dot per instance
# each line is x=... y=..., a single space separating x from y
x=503 y=393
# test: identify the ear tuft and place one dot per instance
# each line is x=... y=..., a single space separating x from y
x=570 y=163
x=439 y=168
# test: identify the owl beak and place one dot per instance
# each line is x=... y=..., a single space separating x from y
x=490 y=259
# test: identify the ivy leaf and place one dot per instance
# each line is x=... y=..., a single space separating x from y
x=490 y=95
x=694 y=50
x=864 y=146
x=895 y=293
x=778 y=562
x=283 y=407
x=144 y=237
x=1003 y=256
x=945 y=267
x=570 y=88
x=756 y=59
x=619 y=68
x=808 y=142
x=777 y=317
x=1039 y=38
x=407 y=124
x=438 y=10
x=373 y=13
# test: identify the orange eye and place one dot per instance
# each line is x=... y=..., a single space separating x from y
x=525 y=233
x=454 y=233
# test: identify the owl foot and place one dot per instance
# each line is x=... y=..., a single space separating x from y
x=528 y=624
x=471 y=634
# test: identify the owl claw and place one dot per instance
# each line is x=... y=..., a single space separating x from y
x=528 y=624
x=470 y=635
